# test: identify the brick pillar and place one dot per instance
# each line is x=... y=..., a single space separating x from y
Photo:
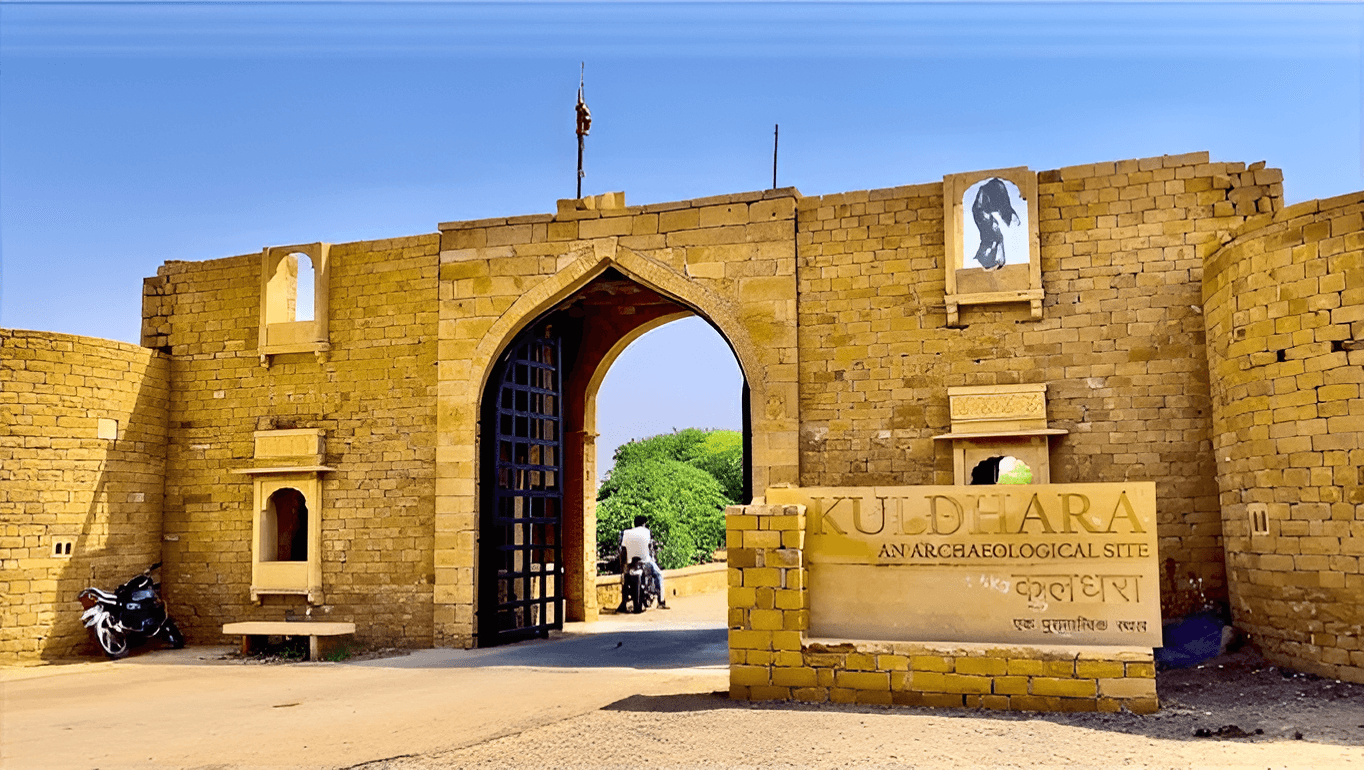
x=769 y=606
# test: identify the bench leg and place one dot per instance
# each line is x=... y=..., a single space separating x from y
x=314 y=648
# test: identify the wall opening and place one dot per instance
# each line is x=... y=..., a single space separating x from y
x=284 y=528
x=1001 y=469
x=593 y=327
x=304 y=287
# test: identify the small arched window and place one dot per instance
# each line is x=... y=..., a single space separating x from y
x=284 y=529
x=1005 y=469
x=294 y=300
x=303 y=303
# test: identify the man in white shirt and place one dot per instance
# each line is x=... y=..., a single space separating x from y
x=635 y=542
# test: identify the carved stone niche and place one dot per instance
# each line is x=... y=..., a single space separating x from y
x=1000 y=421
x=990 y=223
x=286 y=521
x=282 y=329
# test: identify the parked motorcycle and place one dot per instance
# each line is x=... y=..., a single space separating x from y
x=129 y=616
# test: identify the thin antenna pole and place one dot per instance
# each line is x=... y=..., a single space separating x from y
x=776 y=129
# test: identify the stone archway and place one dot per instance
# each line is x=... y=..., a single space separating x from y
x=591 y=327
x=660 y=294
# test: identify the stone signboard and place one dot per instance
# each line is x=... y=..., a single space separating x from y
x=1071 y=564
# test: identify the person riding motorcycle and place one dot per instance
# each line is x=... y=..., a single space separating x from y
x=635 y=543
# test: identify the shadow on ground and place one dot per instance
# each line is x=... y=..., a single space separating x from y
x=651 y=649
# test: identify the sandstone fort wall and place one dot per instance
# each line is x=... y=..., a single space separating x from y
x=82 y=458
x=374 y=397
x=1120 y=343
x=1285 y=309
x=1194 y=333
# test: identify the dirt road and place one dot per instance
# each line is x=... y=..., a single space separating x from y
x=631 y=691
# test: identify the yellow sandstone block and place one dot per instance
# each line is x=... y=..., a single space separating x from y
x=863 y=680
x=981 y=666
x=1026 y=667
x=1099 y=669
x=1059 y=668
x=762 y=539
x=966 y=684
x=931 y=663
x=1011 y=685
x=1144 y=670
x=794 y=677
x=749 y=676
x=750 y=640
x=996 y=702
x=742 y=598
x=1128 y=688
x=1077 y=704
x=927 y=681
x=892 y=662
x=760 y=692
x=1142 y=705
x=765 y=620
x=874 y=697
x=860 y=661
x=1068 y=688
x=762 y=576
x=740 y=521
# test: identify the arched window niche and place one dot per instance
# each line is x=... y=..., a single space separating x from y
x=284 y=526
x=1000 y=434
x=293 y=303
x=286 y=523
x=990 y=238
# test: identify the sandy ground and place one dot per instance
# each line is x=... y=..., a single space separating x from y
x=631 y=691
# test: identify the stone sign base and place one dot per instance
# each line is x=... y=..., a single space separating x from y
x=949 y=675
x=773 y=657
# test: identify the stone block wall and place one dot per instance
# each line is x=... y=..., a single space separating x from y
x=82 y=458
x=1285 y=309
x=1120 y=343
x=772 y=658
x=374 y=396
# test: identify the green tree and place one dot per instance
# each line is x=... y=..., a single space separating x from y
x=682 y=481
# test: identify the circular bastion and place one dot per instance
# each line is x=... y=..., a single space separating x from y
x=1284 y=307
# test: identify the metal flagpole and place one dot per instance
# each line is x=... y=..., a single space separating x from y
x=776 y=128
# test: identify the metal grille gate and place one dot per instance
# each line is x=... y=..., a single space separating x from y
x=521 y=564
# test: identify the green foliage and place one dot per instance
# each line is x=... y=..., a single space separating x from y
x=721 y=454
x=682 y=481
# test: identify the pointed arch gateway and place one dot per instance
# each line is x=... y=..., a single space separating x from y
x=520 y=550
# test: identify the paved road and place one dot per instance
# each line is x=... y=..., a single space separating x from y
x=189 y=708
x=623 y=693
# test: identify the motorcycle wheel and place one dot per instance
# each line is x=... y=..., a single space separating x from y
x=112 y=641
x=637 y=596
x=651 y=592
x=172 y=635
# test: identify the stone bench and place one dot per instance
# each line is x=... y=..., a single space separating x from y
x=316 y=632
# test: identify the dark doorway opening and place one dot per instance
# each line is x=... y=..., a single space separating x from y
x=520 y=553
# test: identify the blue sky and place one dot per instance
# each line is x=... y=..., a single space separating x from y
x=134 y=133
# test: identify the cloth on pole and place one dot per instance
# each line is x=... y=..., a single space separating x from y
x=584 y=114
